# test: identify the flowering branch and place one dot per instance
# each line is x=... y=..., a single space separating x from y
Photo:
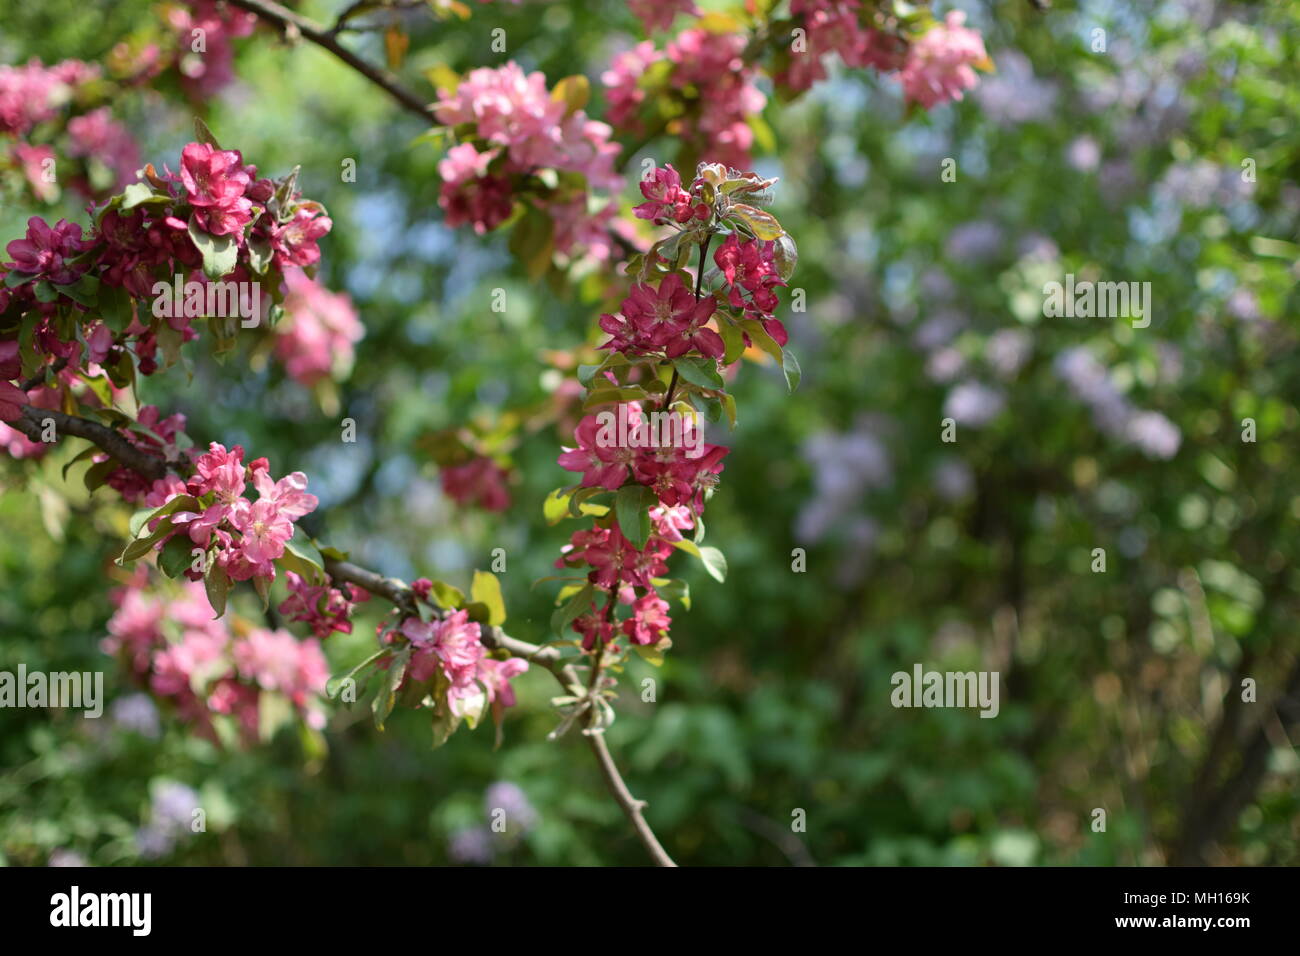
x=32 y=424
x=396 y=592
x=401 y=596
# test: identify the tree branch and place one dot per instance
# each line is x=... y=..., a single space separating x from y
x=291 y=22
x=632 y=807
x=401 y=596
x=31 y=424
x=398 y=593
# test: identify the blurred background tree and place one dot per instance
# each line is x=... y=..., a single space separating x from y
x=1171 y=157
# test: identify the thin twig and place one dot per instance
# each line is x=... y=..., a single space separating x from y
x=396 y=592
x=284 y=18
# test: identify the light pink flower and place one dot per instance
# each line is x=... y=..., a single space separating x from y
x=940 y=65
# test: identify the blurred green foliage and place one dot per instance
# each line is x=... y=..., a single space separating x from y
x=1123 y=165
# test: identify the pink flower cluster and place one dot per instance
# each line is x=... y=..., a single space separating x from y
x=453 y=647
x=275 y=233
x=176 y=647
x=324 y=608
x=480 y=482
x=659 y=14
x=676 y=474
x=96 y=135
x=206 y=72
x=316 y=338
x=660 y=321
x=248 y=536
x=940 y=65
x=666 y=200
x=157 y=436
x=667 y=319
x=512 y=127
x=619 y=568
x=834 y=27
x=711 y=77
x=34 y=94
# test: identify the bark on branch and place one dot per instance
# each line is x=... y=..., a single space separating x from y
x=396 y=592
x=291 y=23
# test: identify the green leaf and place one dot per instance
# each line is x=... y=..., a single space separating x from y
x=573 y=92
x=714 y=562
x=303 y=559
x=729 y=406
x=263 y=588
x=683 y=544
x=82 y=456
x=139 y=193
x=577 y=605
x=220 y=254
x=762 y=224
x=587 y=373
x=98 y=473
x=674 y=589
x=793 y=374
x=611 y=396
x=632 y=507
x=204 y=135
x=533 y=241
x=141 y=546
x=650 y=653
x=786 y=256
x=140 y=521
x=580 y=503
x=448 y=596
x=217 y=585
x=699 y=371
x=273 y=712
x=487 y=589
x=333 y=685
x=15 y=279
x=758 y=335
x=115 y=307
x=732 y=338
x=259 y=254
x=444 y=721
x=386 y=696
x=176 y=556
x=556 y=506
x=85 y=291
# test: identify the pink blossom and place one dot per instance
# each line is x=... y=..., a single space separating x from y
x=215 y=181
x=649 y=620
x=29 y=95
x=46 y=250
x=940 y=64
x=97 y=134
x=665 y=198
x=749 y=267
x=480 y=482
x=295 y=242
x=604 y=465
x=670 y=317
x=36 y=162
x=622 y=82
x=659 y=14
x=316 y=339
x=205 y=74
x=324 y=608
x=670 y=522
x=495 y=677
